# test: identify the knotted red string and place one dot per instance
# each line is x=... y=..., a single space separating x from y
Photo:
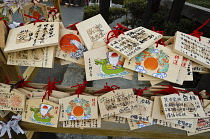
x=20 y=84
x=140 y=91
x=80 y=89
x=107 y=89
x=7 y=80
x=170 y=90
x=161 y=42
x=198 y=34
x=36 y=19
x=119 y=29
x=49 y=87
x=53 y=9
x=73 y=26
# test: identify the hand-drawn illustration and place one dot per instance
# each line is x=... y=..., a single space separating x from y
x=37 y=54
x=41 y=114
x=35 y=11
x=78 y=107
x=71 y=44
x=24 y=36
x=158 y=62
x=141 y=110
x=155 y=60
x=189 y=106
x=22 y=54
x=101 y=63
x=136 y=124
x=111 y=65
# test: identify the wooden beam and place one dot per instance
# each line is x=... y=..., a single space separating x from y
x=118 y=130
x=30 y=73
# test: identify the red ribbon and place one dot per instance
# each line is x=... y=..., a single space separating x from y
x=170 y=90
x=161 y=42
x=140 y=91
x=73 y=26
x=115 y=33
x=37 y=19
x=198 y=34
x=80 y=89
x=49 y=87
x=7 y=80
x=107 y=89
x=20 y=84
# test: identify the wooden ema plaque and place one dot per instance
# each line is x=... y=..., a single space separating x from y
x=203 y=124
x=12 y=101
x=182 y=106
x=158 y=62
x=32 y=36
x=142 y=113
x=92 y=30
x=136 y=124
x=71 y=46
x=88 y=123
x=78 y=108
x=158 y=113
x=190 y=47
x=41 y=57
x=34 y=10
x=119 y=101
x=44 y=113
x=134 y=41
x=101 y=64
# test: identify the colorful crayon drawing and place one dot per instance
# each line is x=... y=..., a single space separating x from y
x=41 y=115
x=78 y=108
x=111 y=66
x=154 y=60
x=35 y=11
x=71 y=44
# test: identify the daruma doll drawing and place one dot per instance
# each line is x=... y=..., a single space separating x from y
x=69 y=43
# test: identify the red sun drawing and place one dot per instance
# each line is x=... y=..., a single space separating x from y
x=66 y=45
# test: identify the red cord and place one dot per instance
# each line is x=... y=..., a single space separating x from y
x=7 y=80
x=198 y=34
x=37 y=19
x=140 y=91
x=116 y=32
x=49 y=87
x=107 y=89
x=161 y=42
x=170 y=90
x=80 y=89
